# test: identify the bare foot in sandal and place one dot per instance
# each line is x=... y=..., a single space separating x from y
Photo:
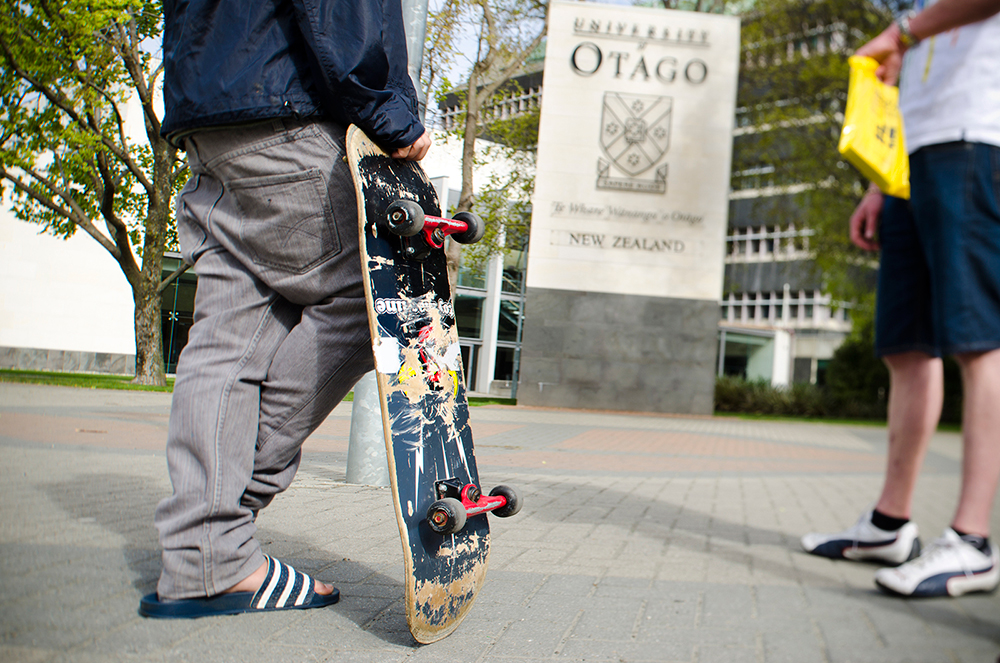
x=254 y=581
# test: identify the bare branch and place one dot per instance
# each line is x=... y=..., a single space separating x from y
x=74 y=213
x=172 y=277
x=62 y=104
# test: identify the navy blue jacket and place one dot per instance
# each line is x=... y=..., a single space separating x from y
x=234 y=61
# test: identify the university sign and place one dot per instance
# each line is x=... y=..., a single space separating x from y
x=629 y=213
x=637 y=115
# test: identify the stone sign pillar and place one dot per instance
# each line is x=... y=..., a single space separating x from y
x=628 y=230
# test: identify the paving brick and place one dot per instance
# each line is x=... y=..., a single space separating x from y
x=608 y=561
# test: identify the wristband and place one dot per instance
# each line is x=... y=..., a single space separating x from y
x=906 y=38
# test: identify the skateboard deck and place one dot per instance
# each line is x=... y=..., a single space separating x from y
x=425 y=413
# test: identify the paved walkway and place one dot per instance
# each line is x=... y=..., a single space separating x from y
x=643 y=538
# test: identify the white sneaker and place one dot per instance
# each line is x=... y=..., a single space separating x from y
x=864 y=541
x=949 y=567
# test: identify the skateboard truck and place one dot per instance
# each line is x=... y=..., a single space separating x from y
x=456 y=502
x=420 y=232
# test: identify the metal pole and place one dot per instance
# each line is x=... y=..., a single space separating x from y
x=366 y=459
x=516 y=377
x=722 y=353
x=415 y=23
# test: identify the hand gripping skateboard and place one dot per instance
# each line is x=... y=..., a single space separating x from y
x=439 y=505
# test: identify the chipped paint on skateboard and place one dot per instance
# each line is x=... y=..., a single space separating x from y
x=425 y=414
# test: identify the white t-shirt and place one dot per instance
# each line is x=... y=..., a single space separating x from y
x=949 y=88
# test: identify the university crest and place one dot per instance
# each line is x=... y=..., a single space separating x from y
x=635 y=134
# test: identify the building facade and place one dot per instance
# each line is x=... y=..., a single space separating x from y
x=776 y=322
x=787 y=180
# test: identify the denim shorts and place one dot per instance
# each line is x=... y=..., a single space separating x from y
x=939 y=274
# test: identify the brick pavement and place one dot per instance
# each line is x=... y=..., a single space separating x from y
x=643 y=538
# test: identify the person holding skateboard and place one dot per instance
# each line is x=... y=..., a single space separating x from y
x=938 y=293
x=260 y=95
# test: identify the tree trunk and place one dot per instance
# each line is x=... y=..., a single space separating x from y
x=148 y=336
x=149 y=368
x=473 y=107
x=453 y=250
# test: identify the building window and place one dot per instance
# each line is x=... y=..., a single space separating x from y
x=513 y=271
x=821 y=366
x=510 y=317
x=469 y=316
x=471 y=278
x=176 y=312
x=504 y=368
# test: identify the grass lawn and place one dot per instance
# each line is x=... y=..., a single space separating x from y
x=97 y=381
x=82 y=380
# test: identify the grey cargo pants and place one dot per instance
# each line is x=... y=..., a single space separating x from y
x=280 y=335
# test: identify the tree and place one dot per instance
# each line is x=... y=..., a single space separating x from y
x=793 y=85
x=504 y=202
x=510 y=31
x=70 y=69
x=707 y=6
x=506 y=33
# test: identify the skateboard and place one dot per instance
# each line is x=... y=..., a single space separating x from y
x=440 y=507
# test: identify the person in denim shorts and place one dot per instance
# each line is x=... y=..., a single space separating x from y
x=938 y=294
x=259 y=95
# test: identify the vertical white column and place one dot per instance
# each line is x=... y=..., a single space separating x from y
x=491 y=324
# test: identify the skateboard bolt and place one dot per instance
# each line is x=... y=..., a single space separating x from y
x=474 y=493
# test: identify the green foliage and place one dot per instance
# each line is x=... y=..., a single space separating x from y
x=857 y=382
x=734 y=394
x=792 y=89
x=857 y=387
x=504 y=201
x=707 y=6
x=70 y=70
x=441 y=47
x=507 y=34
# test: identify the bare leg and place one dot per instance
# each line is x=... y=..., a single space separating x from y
x=981 y=441
x=915 y=398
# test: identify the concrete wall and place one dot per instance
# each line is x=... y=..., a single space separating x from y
x=618 y=352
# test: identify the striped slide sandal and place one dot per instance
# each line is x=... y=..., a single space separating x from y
x=284 y=588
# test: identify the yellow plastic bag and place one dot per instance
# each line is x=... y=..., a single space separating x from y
x=872 y=136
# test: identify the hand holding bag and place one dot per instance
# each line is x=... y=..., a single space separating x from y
x=872 y=136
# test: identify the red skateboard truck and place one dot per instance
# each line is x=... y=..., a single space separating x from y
x=407 y=219
x=456 y=502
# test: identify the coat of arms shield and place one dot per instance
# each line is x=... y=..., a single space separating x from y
x=635 y=130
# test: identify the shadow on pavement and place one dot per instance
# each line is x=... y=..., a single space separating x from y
x=124 y=505
x=663 y=520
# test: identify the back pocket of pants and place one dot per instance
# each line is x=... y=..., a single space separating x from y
x=287 y=223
